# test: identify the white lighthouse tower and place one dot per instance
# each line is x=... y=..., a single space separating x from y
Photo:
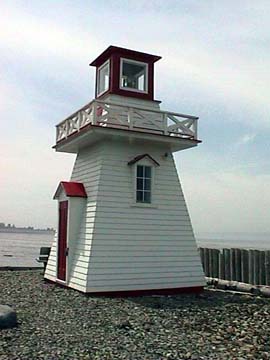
x=124 y=227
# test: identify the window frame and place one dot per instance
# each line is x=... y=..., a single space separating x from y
x=106 y=63
x=136 y=63
x=143 y=203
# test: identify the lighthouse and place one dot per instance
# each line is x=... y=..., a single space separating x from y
x=123 y=224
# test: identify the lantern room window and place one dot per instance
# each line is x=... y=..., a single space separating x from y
x=103 y=76
x=133 y=75
x=143 y=184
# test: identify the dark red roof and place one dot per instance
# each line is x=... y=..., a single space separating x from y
x=124 y=52
x=71 y=188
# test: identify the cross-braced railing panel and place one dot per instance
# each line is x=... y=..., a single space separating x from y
x=106 y=114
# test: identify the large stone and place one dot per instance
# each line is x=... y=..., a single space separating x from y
x=8 y=317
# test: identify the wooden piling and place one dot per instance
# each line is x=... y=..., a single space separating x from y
x=256 y=267
x=262 y=268
x=206 y=262
x=221 y=274
x=237 y=263
x=250 y=267
x=201 y=251
x=267 y=267
x=240 y=265
x=244 y=266
x=227 y=260
x=210 y=259
x=215 y=263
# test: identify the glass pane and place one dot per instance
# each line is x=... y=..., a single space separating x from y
x=148 y=172
x=140 y=171
x=133 y=75
x=103 y=78
x=147 y=197
x=139 y=196
x=139 y=184
x=147 y=184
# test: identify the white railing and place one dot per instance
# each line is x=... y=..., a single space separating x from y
x=106 y=114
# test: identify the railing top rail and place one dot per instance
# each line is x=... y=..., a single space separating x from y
x=150 y=110
x=76 y=112
x=127 y=106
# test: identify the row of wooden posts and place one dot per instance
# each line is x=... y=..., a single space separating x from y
x=242 y=265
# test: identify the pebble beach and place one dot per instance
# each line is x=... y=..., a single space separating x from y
x=59 y=323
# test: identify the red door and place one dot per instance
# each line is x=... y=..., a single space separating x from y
x=62 y=240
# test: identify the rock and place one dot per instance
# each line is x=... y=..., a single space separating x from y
x=8 y=317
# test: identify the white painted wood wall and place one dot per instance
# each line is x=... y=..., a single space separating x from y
x=120 y=246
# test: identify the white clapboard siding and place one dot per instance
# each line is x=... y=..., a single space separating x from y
x=87 y=171
x=120 y=245
x=50 y=272
x=137 y=285
x=139 y=247
x=138 y=266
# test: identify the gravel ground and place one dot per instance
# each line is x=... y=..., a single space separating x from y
x=57 y=323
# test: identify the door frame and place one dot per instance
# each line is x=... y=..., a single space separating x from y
x=65 y=204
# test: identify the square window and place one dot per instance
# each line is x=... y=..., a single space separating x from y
x=103 y=78
x=133 y=75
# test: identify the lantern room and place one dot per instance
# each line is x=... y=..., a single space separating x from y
x=125 y=72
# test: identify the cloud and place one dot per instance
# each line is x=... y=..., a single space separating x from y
x=39 y=37
x=227 y=202
x=211 y=55
x=247 y=138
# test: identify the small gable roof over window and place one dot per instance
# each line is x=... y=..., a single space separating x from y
x=71 y=188
x=140 y=157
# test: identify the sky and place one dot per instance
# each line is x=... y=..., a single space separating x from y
x=215 y=65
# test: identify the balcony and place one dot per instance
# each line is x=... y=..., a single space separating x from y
x=104 y=114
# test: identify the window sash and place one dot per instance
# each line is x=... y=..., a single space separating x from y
x=103 y=78
x=142 y=77
x=143 y=184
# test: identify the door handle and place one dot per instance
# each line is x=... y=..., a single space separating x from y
x=66 y=251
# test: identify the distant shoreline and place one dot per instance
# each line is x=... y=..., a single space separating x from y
x=26 y=231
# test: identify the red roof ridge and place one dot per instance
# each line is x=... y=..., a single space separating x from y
x=71 y=189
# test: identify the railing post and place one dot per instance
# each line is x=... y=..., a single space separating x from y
x=165 y=125
x=67 y=128
x=79 y=120
x=57 y=133
x=130 y=118
x=94 y=113
x=195 y=127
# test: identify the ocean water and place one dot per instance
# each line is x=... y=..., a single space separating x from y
x=259 y=241
x=21 y=249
